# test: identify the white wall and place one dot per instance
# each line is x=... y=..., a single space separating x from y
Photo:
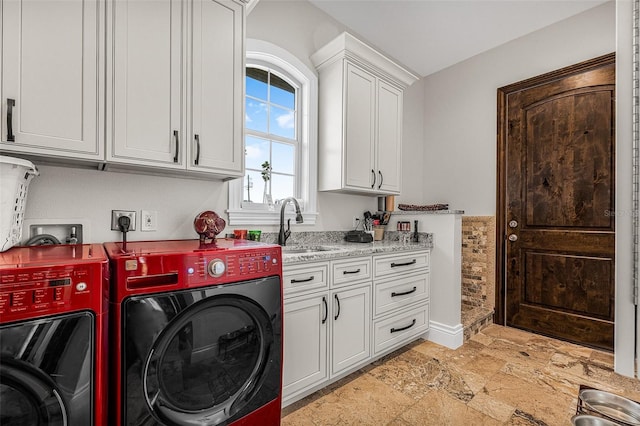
x=413 y=170
x=460 y=105
x=460 y=129
x=312 y=28
x=625 y=332
x=88 y=196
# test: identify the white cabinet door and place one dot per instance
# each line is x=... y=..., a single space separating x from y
x=51 y=78
x=389 y=144
x=350 y=328
x=359 y=123
x=305 y=343
x=218 y=85
x=144 y=82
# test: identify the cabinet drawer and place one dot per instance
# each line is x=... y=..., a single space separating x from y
x=305 y=278
x=350 y=271
x=397 y=293
x=400 y=328
x=400 y=263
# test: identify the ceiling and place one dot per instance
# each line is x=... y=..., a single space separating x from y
x=430 y=35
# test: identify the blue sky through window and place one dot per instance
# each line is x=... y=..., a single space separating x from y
x=270 y=112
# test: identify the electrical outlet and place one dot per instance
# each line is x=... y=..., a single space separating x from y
x=115 y=214
x=148 y=220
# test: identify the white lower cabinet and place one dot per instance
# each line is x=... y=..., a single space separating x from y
x=336 y=319
x=350 y=328
x=305 y=348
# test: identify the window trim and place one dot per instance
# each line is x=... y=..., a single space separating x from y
x=262 y=53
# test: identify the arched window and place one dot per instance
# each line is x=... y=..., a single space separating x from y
x=271 y=136
x=280 y=137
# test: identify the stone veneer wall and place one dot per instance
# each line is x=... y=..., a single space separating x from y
x=478 y=261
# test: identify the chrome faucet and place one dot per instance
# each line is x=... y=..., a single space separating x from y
x=283 y=235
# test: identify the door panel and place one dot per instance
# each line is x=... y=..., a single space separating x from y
x=581 y=294
x=305 y=344
x=389 y=122
x=351 y=328
x=146 y=82
x=217 y=74
x=569 y=170
x=359 y=131
x=50 y=57
x=559 y=228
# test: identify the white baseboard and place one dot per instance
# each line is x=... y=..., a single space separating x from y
x=446 y=335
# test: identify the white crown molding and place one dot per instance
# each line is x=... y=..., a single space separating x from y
x=346 y=46
x=250 y=4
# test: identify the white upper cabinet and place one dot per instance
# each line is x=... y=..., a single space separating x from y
x=217 y=93
x=360 y=118
x=389 y=131
x=52 y=61
x=145 y=113
x=175 y=85
x=359 y=129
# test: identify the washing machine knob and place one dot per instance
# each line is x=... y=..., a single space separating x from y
x=216 y=268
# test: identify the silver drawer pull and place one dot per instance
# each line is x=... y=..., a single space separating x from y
x=404 y=293
x=395 y=330
x=303 y=281
x=351 y=272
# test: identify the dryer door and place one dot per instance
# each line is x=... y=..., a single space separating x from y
x=213 y=359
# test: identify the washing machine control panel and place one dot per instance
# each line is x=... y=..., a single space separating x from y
x=229 y=266
x=36 y=290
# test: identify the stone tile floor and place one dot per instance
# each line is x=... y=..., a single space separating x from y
x=501 y=376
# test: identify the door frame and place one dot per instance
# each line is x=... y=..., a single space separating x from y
x=499 y=316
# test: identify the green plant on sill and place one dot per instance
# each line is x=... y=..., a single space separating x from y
x=266 y=176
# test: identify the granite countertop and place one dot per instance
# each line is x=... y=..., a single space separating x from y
x=337 y=250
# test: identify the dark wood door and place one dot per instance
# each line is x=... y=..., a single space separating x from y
x=558 y=212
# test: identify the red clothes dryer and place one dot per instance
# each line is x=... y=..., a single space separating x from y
x=53 y=328
x=196 y=332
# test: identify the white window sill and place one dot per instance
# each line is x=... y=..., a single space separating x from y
x=261 y=217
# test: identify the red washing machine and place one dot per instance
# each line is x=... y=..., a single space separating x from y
x=196 y=333
x=53 y=330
